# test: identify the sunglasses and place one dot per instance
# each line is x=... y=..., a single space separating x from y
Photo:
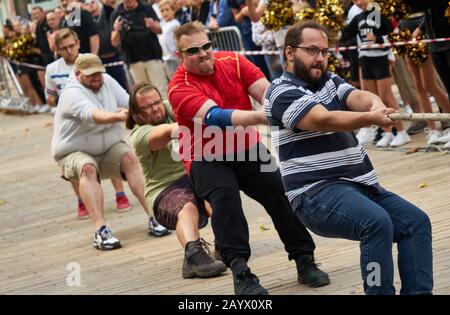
x=196 y=49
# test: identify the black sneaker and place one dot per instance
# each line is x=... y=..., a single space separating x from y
x=246 y=283
x=309 y=274
x=198 y=263
x=156 y=229
x=104 y=240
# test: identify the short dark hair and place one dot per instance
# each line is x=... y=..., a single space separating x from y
x=295 y=32
x=37 y=8
x=135 y=114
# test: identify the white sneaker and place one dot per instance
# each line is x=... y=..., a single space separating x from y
x=385 y=140
x=433 y=135
x=401 y=138
x=445 y=137
x=43 y=109
x=33 y=109
x=53 y=110
x=366 y=135
x=104 y=240
x=447 y=145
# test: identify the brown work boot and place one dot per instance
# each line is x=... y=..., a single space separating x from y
x=198 y=262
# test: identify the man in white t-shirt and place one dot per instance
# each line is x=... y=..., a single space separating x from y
x=56 y=76
x=88 y=143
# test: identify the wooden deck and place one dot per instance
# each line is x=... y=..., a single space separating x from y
x=40 y=235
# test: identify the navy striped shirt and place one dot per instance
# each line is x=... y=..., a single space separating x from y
x=310 y=160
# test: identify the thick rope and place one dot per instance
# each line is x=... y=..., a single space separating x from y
x=420 y=116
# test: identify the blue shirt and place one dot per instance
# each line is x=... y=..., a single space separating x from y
x=311 y=160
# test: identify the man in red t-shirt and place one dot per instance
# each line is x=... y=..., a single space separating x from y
x=209 y=94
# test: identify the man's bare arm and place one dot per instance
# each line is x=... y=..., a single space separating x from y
x=320 y=119
x=363 y=101
x=161 y=135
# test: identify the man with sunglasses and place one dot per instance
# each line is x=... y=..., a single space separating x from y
x=328 y=177
x=210 y=90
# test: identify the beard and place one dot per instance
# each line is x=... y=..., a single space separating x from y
x=304 y=72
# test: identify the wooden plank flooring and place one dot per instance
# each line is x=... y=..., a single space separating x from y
x=40 y=236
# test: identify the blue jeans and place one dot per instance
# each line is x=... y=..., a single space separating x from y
x=355 y=212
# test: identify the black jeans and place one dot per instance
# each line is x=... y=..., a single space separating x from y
x=219 y=182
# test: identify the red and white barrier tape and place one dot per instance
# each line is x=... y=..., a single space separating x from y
x=347 y=48
x=277 y=52
x=29 y=65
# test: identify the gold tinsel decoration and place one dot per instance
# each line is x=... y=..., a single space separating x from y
x=330 y=14
x=333 y=64
x=2 y=47
x=19 y=48
x=417 y=53
x=278 y=14
x=305 y=14
x=396 y=9
x=403 y=35
x=447 y=12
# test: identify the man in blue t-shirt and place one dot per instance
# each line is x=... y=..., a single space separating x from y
x=327 y=175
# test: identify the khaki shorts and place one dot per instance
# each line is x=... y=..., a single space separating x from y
x=107 y=164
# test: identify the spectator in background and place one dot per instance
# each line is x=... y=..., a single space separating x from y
x=200 y=10
x=155 y=7
x=220 y=15
x=183 y=12
x=27 y=77
x=53 y=21
x=101 y=14
x=167 y=9
x=241 y=16
x=135 y=26
x=42 y=28
x=81 y=22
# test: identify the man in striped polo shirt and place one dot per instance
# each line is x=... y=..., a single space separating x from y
x=328 y=177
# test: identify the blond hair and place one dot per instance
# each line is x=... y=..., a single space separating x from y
x=167 y=2
x=188 y=29
x=63 y=34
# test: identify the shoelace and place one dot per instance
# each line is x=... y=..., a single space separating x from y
x=205 y=245
x=106 y=233
x=247 y=276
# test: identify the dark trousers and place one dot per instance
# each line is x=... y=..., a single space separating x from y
x=441 y=61
x=219 y=182
x=117 y=72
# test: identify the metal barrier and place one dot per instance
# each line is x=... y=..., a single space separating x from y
x=7 y=101
x=226 y=38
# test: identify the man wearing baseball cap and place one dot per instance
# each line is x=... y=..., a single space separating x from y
x=88 y=142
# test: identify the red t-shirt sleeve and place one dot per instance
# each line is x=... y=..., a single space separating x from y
x=248 y=71
x=185 y=99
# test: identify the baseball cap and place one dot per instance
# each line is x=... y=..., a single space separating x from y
x=89 y=64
